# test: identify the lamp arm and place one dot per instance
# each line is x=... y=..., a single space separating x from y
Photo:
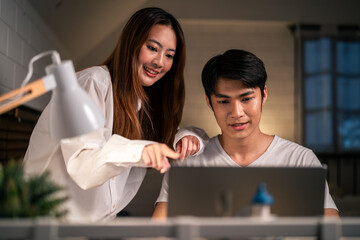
x=35 y=89
x=24 y=94
x=72 y=111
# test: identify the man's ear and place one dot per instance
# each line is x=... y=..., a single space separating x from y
x=208 y=102
x=264 y=96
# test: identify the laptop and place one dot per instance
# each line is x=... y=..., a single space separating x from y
x=228 y=191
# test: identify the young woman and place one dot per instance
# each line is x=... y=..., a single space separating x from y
x=140 y=91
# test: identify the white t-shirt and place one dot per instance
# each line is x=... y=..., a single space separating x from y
x=281 y=152
x=101 y=171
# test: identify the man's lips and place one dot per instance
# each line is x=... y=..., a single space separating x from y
x=239 y=126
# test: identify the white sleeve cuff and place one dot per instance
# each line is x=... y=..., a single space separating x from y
x=192 y=131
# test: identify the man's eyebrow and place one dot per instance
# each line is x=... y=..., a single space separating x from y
x=160 y=45
x=246 y=93
x=219 y=95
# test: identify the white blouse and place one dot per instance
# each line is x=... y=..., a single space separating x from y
x=100 y=171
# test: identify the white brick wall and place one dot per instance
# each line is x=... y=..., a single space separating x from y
x=23 y=34
x=272 y=42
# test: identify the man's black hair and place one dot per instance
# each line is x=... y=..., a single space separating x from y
x=234 y=64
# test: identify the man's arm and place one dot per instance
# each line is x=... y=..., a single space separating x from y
x=160 y=211
x=330 y=212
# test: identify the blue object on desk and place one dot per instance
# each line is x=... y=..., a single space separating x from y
x=262 y=196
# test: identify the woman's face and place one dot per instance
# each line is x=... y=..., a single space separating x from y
x=157 y=54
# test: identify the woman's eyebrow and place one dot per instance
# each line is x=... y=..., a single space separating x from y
x=160 y=45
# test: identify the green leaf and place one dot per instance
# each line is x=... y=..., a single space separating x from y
x=31 y=197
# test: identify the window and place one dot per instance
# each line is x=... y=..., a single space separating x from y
x=330 y=77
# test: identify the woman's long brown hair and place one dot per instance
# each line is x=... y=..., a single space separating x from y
x=163 y=102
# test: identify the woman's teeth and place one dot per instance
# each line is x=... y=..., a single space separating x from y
x=150 y=71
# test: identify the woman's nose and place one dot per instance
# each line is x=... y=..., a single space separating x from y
x=158 y=60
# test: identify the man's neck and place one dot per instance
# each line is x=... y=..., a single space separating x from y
x=246 y=150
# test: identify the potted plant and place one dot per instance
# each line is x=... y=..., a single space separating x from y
x=30 y=197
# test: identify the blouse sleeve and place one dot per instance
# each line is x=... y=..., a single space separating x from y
x=93 y=158
x=90 y=160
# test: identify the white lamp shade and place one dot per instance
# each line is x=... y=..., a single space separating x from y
x=72 y=111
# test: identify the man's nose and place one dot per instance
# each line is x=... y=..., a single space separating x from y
x=237 y=109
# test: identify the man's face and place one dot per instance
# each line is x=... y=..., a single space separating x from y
x=237 y=109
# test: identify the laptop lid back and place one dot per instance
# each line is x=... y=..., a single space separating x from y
x=227 y=191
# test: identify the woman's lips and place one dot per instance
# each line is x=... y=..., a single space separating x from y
x=150 y=72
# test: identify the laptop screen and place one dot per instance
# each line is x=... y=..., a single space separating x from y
x=228 y=191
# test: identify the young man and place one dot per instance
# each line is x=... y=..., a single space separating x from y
x=234 y=84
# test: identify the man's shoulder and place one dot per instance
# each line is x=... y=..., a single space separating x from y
x=290 y=153
x=288 y=145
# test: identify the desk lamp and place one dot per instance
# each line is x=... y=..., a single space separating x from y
x=72 y=112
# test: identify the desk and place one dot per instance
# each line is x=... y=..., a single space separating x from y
x=183 y=228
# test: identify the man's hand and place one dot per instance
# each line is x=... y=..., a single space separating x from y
x=156 y=156
x=187 y=146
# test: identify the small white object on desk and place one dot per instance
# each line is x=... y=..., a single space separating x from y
x=261 y=204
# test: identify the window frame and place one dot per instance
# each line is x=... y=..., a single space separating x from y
x=302 y=35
